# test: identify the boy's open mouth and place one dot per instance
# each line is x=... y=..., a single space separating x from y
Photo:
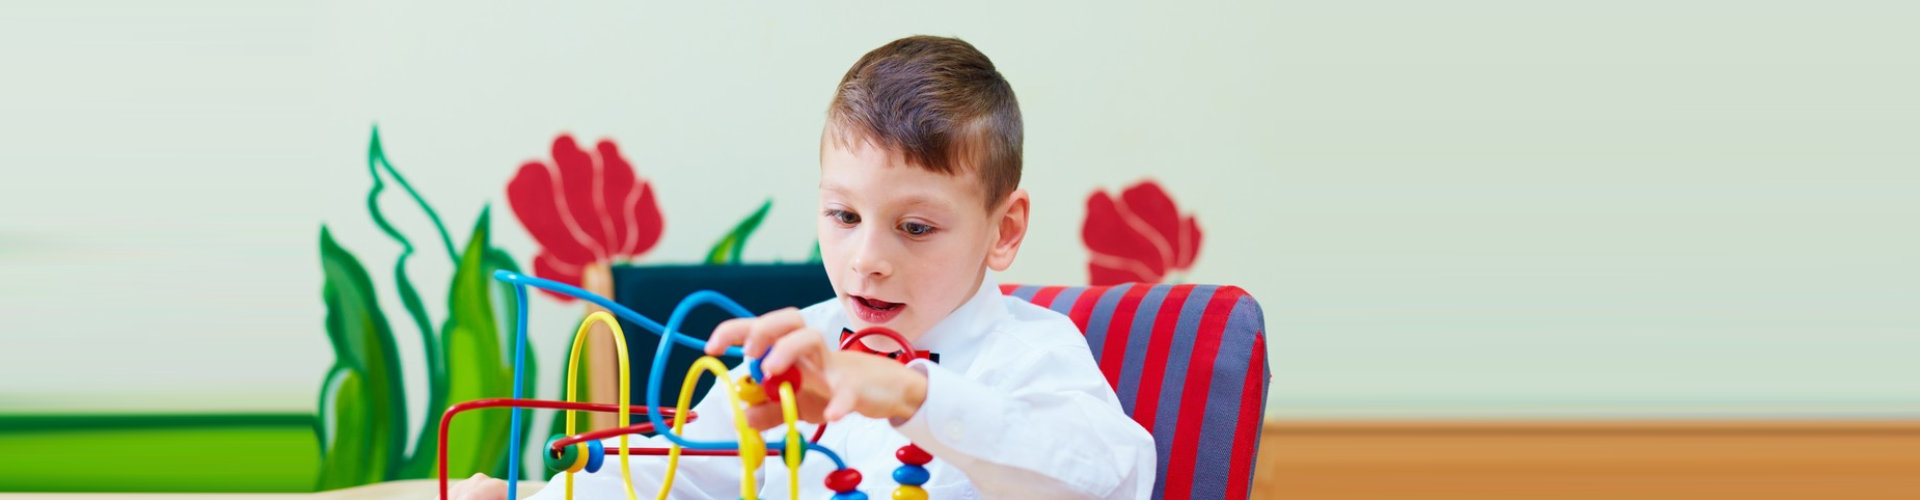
x=875 y=311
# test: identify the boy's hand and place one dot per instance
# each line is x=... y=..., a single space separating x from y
x=478 y=487
x=871 y=385
x=833 y=382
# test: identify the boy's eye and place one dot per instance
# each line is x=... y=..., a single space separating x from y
x=844 y=217
x=915 y=228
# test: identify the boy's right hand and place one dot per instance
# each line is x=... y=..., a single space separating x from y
x=478 y=487
x=757 y=337
x=835 y=383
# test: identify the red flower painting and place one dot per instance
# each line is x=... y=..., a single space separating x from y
x=584 y=208
x=1138 y=236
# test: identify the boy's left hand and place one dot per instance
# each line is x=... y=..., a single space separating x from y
x=834 y=383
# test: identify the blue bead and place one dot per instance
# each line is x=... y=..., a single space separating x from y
x=596 y=455
x=851 y=495
x=910 y=475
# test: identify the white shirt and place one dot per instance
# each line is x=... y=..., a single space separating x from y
x=1016 y=408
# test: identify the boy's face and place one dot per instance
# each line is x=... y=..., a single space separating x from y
x=905 y=246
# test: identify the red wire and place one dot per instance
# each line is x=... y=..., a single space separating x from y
x=446 y=419
x=603 y=434
x=908 y=357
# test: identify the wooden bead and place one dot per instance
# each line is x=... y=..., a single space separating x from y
x=596 y=456
x=567 y=459
x=750 y=392
x=911 y=475
x=843 y=480
x=909 y=493
x=913 y=455
x=772 y=384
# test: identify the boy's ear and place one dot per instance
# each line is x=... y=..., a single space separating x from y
x=1009 y=230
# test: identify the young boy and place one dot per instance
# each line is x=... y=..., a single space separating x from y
x=919 y=198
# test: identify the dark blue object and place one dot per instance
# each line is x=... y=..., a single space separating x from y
x=654 y=290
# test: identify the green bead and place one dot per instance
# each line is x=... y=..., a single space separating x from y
x=568 y=458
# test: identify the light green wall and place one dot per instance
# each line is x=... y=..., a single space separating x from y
x=1475 y=209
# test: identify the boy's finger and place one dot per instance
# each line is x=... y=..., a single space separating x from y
x=812 y=408
x=765 y=416
x=470 y=487
x=730 y=333
x=842 y=403
x=805 y=348
x=770 y=327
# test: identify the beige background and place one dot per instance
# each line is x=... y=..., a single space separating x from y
x=1449 y=209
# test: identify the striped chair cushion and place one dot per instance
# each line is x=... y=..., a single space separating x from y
x=1189 y=363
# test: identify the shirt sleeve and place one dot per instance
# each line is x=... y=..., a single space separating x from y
x=1042 y=426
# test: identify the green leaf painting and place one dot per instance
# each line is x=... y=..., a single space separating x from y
x=377 y=162
x=362 y=420
x=479 y=360
x=730 y=247
x=362 y=404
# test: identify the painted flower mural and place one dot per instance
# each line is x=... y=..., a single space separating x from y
x=1138 y=236
x=584 y=208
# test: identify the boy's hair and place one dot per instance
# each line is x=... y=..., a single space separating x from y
x=938 y=102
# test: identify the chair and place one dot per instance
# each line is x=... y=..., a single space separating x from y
x=1189 y=364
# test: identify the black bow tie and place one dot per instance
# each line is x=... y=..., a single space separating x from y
x=862 y=347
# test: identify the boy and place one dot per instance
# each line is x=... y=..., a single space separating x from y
x=919 y=175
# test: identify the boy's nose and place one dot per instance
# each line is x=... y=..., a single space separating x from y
x=870 y=256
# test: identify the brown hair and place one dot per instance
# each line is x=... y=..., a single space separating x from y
x=938 y=102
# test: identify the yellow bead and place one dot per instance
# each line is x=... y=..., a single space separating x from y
x=753 y=451
x=750 y=392
x=579 y=458
x=909 y=493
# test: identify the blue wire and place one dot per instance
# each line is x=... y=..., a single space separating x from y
x=837 y=463
x=659 y=369
x=669 y=331
x=619 y=310
x=519 y=357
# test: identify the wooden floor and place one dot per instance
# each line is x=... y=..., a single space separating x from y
x=1851 y=460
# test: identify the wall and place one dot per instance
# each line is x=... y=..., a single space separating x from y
x=1468 y=209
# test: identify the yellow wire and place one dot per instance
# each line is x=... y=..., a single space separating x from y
x=753 y=449
x=573 y=367
x=794 y=450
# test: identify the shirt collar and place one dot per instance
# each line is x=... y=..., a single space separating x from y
x=967 y=322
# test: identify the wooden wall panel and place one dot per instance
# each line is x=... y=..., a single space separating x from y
x=1863 y=460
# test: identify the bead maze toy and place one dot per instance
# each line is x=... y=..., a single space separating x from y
x=576 y=452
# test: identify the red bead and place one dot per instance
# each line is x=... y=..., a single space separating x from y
x=843 y=480
x=912 y=455
x=772 y=385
